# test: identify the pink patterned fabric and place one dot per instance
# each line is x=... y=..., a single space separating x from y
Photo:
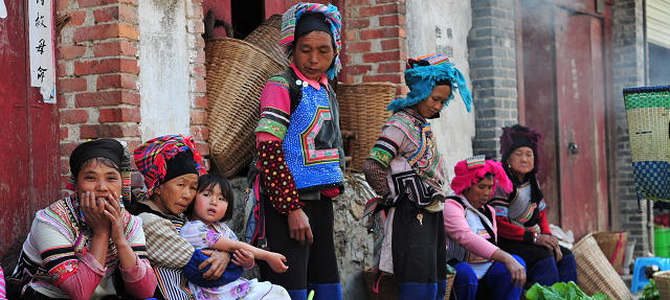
x=470 y=171
x=3 y=291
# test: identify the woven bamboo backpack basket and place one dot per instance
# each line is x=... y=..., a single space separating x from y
x=236 y=74
x=595 y=273
x=363 y=111
x=266 y=36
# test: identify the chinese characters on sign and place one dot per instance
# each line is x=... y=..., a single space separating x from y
x=42 y=52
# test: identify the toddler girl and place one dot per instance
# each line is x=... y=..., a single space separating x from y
x=206 y=229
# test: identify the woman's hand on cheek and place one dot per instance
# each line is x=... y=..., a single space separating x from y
x=113 y=213
x=93 y=209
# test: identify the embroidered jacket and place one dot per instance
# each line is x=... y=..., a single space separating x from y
x=303 y=115
x=57 y=249
x=407 y=151
x=519 y=216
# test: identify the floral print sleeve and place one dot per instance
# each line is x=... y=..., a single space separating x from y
x=199 y=234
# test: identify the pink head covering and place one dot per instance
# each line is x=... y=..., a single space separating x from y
x=473 y=169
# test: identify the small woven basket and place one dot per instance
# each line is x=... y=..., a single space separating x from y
x=662 y=280
x=266 y=36
x=363 y=111
x=595 y=273
x=613 y=245
x=236 y=74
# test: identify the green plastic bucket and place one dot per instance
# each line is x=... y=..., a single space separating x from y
x=662 y=242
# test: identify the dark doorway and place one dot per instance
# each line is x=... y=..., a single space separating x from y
x=247 y=15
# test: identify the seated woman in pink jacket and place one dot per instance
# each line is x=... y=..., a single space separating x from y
x=483 y=270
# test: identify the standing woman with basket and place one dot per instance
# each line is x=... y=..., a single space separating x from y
x=300 y=156
x=522 y=216
x=406 y=172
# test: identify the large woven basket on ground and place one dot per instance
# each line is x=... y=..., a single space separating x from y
x=662 y=280
x=648 y=115
x=266 y=36
x=236 y=74
x=595 y=273
x=613 y=245
x=363 y=111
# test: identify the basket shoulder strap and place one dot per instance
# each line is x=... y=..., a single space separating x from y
x=294 y=90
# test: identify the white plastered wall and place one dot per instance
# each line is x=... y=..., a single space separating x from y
x=164 y=68
x=442 y=26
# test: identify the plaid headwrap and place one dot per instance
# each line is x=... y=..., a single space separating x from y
x=151 y=157
x=472 y=170
x=421 y=76
x=290 y=19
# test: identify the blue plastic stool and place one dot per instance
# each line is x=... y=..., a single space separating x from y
x=639 y=278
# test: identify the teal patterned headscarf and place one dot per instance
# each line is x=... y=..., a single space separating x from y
x=424 y=73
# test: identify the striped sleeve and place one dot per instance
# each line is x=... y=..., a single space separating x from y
x=56 y=250
x=164 y=245
x=275 y=105
x=387 y=146
x=135 y=235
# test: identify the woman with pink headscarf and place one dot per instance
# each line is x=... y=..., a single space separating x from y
x=483 y=270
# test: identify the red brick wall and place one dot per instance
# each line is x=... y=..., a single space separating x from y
x=375 y=47
x=98 y=73
x=374 y=38
x=196 y=28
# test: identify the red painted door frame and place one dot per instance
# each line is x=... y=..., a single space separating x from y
x=562 y=84
x=29 y=177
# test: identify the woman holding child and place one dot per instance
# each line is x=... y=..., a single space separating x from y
x=179 y=249
x=171 y=165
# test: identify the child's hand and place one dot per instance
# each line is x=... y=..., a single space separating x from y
x=243 y=258
x=276 y=262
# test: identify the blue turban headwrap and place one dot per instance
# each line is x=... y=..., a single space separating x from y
x=424 y=73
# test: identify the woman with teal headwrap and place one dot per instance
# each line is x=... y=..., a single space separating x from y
x=406 y=171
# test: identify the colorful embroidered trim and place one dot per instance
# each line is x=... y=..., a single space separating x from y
x=273 y=121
